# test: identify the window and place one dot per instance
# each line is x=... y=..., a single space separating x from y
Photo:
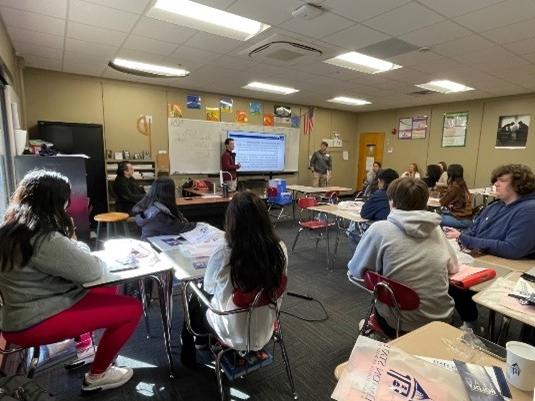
x=6 y=174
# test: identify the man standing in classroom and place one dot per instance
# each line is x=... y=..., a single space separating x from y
x=321 y=166
x=229 y=165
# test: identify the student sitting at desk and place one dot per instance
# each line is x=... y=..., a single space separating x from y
x=505 y=227
x=409 y=247
x=456 y=199
x=376 y=207
x=252 y=257
x=43 y=268
x=157 y=213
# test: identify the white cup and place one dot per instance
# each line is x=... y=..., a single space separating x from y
x=520 y=368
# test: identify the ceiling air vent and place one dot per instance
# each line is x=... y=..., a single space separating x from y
x=421 y=93
x=282 y=50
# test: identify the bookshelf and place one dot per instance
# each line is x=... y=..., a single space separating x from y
x=144 y=173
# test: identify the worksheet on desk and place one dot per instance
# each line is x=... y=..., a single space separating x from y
x=203 y=232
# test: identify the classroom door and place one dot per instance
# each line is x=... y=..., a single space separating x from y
x=371 y=146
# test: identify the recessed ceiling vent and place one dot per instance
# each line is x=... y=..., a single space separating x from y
x=278 y=49
x=421 y=93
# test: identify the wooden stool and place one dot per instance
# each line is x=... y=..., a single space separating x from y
x=112 y=220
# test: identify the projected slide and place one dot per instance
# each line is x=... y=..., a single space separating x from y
x=256 y=151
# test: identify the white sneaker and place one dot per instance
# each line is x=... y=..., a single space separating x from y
x=361 y=324
x=83 y=357
x=113 y=377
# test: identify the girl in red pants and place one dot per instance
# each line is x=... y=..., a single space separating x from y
x=42 y=269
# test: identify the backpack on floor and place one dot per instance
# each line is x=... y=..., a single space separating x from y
x=21 y=388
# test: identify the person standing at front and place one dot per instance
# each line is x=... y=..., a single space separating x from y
x=321 y=166
x=228 y=164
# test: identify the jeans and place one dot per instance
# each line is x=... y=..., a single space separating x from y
x=450 y=220
x=464 y=304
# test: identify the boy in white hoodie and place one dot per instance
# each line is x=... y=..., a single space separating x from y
x=410 y=248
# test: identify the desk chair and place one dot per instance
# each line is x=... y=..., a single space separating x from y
x=273 y=199
x=389 y=292
x=36 y=351
x=312 y=224
x=246 y=303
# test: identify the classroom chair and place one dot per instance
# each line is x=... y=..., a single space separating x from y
x=275 y=200
x=246 y=302
x=316 y=224
x=36 y=352
x=397 y=296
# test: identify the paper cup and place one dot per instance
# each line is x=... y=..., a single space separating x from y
x=520 y=369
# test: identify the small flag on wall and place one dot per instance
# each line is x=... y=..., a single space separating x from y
x=308 y=121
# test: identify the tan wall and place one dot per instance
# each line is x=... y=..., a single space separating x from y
x=478 y=157
x=7 y=54
x=55 y=96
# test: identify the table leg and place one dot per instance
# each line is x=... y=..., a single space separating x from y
x=329 y=267
x=335 y=252
x=163 y=292
x=492 y=319
x=504 y=330
x=143 y=296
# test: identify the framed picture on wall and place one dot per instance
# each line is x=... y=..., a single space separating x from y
x=454 y=129
x=405 y=128
x=512 y=132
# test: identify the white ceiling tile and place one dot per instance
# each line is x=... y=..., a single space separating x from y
x=454 y=8
x=319 y=27
x=90 y=48
x=35 y=22
x=189 y=53
x=83 y=69
x=221 y=4
x=271 y=12
x=213 y=43
x=133 y=6
x=521 y=47
x=498 y=15
x=436 y=33
x=512 y=33
x=161 y=30
x=139 y=55
x=362 y=10
x=494 y=57
x=24 y=48
x=148 y=45
x=103 y=17
x=42 y=62
x=75 y=57
x=236 y=63
x=404 y=19
x=356 y=37
x=38 y=38
x=52 y=8
x=467 y=45
x=190 y=64
x=93 y=34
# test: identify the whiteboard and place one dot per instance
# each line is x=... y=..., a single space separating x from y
x=195 y=146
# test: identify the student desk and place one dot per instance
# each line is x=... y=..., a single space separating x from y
x=484 y=193
x=429 y=341
x=208 y=209
x=519 y=265
x=340 y=214
x=161 y=273
x=492 y=297
x=307 y=190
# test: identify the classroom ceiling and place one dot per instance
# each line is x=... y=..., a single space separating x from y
x=485 y=44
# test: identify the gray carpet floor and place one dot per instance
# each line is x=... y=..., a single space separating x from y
x=315 y=348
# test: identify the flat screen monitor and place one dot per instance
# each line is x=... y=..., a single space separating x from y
x=259 y=151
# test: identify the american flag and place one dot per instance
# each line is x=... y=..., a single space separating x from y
x=308 y=121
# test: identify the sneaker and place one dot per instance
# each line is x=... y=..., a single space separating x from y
x=361 y=325
x=113 y=377
x=83 y=357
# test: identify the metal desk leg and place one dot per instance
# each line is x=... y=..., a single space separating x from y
x=143 y=296
x=492 y=320
x=338 y=228
x=164 y=309
x=504 y=330
x=329 y=267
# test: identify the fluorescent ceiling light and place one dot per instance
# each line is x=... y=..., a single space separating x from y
x=362 y=63
x=445 y=86
x=147 y=70
x=207 y=19
x=348 y=100
x=263 y=87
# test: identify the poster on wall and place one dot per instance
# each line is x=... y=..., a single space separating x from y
x=454 y=129
x=255 y=108
x=213 y=114
x=512 y=132
x=193 y=102
x=226 y=104
x=241 y=116
x=419 y=127
x=405 y=128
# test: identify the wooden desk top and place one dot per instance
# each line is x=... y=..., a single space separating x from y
x=343 y=213
x=493 y=296
x=429 y=341
x=317 y=190
x=199 y=200
x=519 y=265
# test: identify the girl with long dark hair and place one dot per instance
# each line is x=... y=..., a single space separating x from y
x=457 y=200
x=43 y=268
x=252 y=257
x=157 y=213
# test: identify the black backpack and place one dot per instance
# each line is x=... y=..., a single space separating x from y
x=21 y=388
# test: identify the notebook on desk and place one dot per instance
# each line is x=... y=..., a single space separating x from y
x=166 y=242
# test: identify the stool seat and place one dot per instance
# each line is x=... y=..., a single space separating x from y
x=112 y=217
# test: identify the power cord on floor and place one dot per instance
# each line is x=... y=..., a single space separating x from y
x=308 y=298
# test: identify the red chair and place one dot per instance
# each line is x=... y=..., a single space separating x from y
x=320 y=225
x=331 y=197
x=397 y=296
x=246 y=303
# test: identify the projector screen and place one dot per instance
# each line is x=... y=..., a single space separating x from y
x=258 y=152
